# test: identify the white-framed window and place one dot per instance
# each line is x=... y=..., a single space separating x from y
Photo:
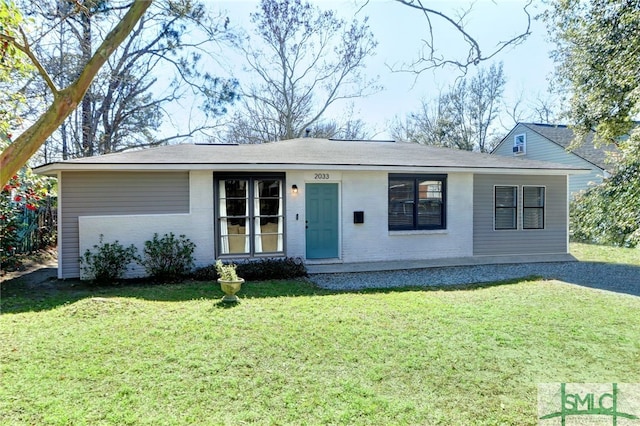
x=505 y=207
x=520 y=144
x=533 y=204
x=250 y=215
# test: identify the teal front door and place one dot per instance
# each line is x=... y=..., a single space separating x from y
x=321 y=205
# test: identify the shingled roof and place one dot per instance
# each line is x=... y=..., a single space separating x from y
x=564 y=136
x=308 y=153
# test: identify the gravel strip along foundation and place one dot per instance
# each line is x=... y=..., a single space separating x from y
x=612 y=277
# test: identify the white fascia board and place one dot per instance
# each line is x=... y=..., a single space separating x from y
x=52 y=169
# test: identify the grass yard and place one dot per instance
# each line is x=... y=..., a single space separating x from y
x=290 y=353
x=609 y=254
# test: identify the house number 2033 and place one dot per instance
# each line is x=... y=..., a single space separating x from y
x=321 y=176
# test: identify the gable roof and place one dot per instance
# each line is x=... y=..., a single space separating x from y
x=308 y=154
x=563 y=135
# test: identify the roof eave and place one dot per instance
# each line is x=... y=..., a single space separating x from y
x=54 y=168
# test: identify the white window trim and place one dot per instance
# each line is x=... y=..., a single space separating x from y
x=524 y=144
x=419 y=232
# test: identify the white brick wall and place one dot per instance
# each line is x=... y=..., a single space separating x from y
x=372 y=241
x=136 y=229
x=359 y=191
x=295 y=227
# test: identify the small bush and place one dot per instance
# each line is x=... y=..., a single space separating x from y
x=168 y=258
x=108 y=262
x=272 y=269
x=226 y=272
x=259 y=270
x=205 y=273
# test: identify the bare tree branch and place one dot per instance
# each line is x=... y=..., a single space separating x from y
x=429 y=59
x=66 y=100
x=171 y=40
x=306 y=60
x=26 y=49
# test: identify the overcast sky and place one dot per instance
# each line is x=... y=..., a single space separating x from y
x=399 y=31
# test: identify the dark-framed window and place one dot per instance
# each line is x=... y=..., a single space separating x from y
x=417 y=201
x=533 y=202
x=506 y=207
x=250 y=214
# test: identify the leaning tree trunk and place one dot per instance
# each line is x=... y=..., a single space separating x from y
x=66 y=100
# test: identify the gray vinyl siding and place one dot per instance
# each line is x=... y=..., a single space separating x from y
x=114 y=193
x=541 y=148
x=551 y=239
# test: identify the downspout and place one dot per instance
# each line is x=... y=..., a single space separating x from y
x=59 y=247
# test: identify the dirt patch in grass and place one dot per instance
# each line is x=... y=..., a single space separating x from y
x=24 y=265
x=36 y=280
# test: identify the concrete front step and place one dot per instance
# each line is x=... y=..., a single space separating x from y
x=330 y=266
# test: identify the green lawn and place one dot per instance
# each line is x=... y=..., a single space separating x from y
x=293 y=354
x=596 y=253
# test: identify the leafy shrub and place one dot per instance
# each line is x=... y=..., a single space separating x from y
x=226 y=272
x=259 y=270
x=609 y=213
x=272 y=269
x=24 y=200
x=108 y=262
x=205 y=273
x=168 y=258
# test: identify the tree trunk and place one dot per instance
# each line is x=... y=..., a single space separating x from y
x=65 y=101
x=85 y=45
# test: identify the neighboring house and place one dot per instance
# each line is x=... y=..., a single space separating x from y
x=333 y=203
x=551 y=142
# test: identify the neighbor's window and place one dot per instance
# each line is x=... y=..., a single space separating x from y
x=533 y=207
x=520 y=144
x=506 y=207
x=417 y=202
x=250 y=215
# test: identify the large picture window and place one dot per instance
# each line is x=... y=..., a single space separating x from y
x=250 y=215
x=533 y=207
x=506 y=207
x=417 y=202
